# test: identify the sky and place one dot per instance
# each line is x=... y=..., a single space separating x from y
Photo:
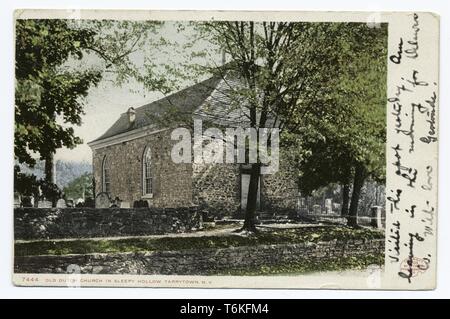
x=103 y=106
x=106 y=102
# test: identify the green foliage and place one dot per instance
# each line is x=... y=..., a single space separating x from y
x=29 y=185
x=25 y=184
x=50 y=191
x=80 y=186
x=350 y=130
x=51 y=88
x=44 y=90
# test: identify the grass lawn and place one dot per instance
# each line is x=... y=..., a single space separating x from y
x=266 y=237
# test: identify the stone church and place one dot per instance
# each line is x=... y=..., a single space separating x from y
x=132 y=161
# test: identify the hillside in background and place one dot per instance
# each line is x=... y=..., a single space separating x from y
x=66 y=171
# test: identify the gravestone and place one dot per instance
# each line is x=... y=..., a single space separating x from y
x=336 y=207
x=140 y=204
x=69 y=203
x=125 y=205
x=316 y=210
x=79 y=202
x=376 y=217
x=116 y=202
x=16 y=200
x=302 y=208
x=328 y=205
x=61 y=203
x=44 y=204
x=102 y=200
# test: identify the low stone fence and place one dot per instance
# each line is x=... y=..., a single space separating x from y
x=201 y=261
x=52 y=223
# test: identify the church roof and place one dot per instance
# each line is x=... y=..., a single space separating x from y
x=185 y=101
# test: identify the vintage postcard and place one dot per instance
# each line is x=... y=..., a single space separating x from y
x=226 y=149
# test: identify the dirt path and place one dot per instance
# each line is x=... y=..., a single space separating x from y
x=201 y=233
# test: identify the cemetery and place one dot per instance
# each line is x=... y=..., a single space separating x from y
x=106 y=217
x=133 y=238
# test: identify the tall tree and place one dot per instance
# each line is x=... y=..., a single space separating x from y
x=43 y=92
x=347 y=145
x=366 y=128
x=290 y=71
x=50 y=91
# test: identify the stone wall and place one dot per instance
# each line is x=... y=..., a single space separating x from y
x=216 y=188
x=279 y=191
x=200 y=262
x=336 y=219
x=172 y=186
x=32 y=223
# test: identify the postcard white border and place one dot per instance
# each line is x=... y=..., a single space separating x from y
x=391 y=18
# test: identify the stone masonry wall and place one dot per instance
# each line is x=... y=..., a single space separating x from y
x=217 y=188
x=172 y=186
x=200 y=262
x=41 y=223
x=279 y=191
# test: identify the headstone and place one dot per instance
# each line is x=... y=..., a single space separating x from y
x=316 y=209
x=328 y=205
x=44 y=204
x=69 y=203
x=102 y=200
x=16 y=200
x=376 y=217
x=302 y=201
x=140 y=204
x=125 y=205
x=61 y=203
x=116 y=202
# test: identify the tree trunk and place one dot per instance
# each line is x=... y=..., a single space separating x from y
x=345 y=199
x=252 y=198
x=93 y=188
x=48 y=169
x=358 y=182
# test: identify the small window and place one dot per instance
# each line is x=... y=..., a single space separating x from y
x=147 y=173
x=106 y=177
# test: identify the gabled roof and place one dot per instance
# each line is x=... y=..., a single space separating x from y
x=184 y=101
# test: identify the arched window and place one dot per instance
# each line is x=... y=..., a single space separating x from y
x=106 y=177
x=147 y=181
